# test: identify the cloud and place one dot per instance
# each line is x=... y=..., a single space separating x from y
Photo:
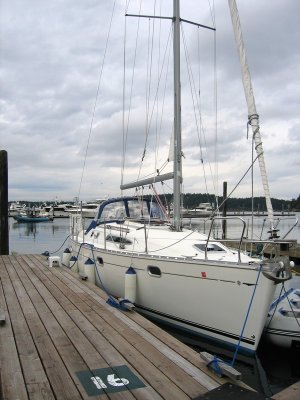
x=51 y=56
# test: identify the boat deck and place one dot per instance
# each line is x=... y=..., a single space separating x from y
x=59 y=339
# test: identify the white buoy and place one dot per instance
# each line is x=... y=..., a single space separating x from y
x=66 y=257
x=89 y=270
x=130 y=285
x=73 y=264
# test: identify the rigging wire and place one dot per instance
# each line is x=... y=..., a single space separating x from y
x=160 y=78
x=148 y=82
x=238 y=183
x=158 y=64
x=194 y=101
x=197 y=106
x=216 y=160
x=150 y=111
x=125 y=130
x=96 y=99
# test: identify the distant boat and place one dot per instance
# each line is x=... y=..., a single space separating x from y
x=59 y=210
x=87 y=210
x=203 y=210
x=15 y=208
x=33 y=216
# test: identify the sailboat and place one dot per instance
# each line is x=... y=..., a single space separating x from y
x=174 y=275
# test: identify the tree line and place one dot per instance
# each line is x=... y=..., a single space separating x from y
x=192 y=200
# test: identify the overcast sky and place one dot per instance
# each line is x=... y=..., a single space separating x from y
x=51 y=58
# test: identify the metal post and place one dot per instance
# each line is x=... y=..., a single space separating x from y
x=177 y=117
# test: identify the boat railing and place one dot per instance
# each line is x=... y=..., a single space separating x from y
x=76 y=224
x=219 y=218
x=291 y=228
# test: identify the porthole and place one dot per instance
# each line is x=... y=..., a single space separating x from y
x=100 y=260
x=154 y=271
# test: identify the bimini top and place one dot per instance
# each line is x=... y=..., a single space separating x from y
x=133 y=208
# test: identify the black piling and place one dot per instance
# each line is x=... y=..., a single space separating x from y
x=4 y=241
x=224 y=211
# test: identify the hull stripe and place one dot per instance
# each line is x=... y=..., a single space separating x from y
x=195 y=325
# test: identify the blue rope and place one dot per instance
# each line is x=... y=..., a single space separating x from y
x=76 y=257
x=47 y=253
x=246 y=319
x=111 y=301
x=214 y=364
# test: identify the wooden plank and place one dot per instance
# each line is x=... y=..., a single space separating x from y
x=64 y=348
x=78 y=339
x=12 y=381
x=45 y=355
x=290 y=393
x=157 y=337
x=143 y=343
x=62 y=325
x=136 y=358
x=182 y=355
x=221 y=368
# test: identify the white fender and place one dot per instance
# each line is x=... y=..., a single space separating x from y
x=89 y=270
x=130 y=285
x=66 y=257
x=73 y=264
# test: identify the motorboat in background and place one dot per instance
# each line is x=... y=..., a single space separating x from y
x=59 y=210
x=15 y=208
x=33 y=215
x=86 y=210
x=204 y=210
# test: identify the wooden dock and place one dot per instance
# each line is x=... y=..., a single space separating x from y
x=61 y=340
x=290 y=393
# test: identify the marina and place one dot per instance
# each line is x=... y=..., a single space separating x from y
x=128 y=299
x=270 y=371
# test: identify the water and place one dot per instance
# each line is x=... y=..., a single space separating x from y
x=257 y=229
x=35 y=238
x=270 y=371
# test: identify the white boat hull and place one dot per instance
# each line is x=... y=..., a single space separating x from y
x=201 y=297
x=282 y=326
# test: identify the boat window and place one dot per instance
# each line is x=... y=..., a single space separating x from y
x=118 y=239
x=154 y=271
x=130 y=208
x=210 y=247
x=113 y=211
x=137 y=209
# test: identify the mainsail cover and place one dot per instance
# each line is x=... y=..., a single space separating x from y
x=252 y=113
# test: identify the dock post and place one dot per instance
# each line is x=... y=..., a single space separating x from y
x=4 y=241
x=224 y=211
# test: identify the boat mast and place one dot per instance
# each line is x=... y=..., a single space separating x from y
x=253 y=118
x=177 y=117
